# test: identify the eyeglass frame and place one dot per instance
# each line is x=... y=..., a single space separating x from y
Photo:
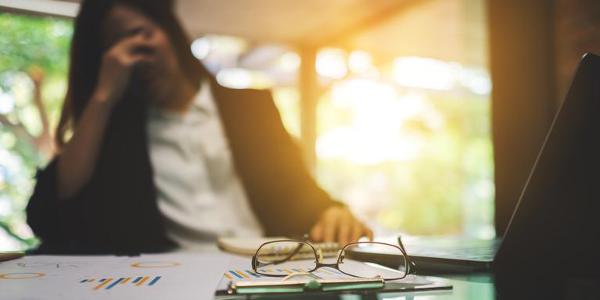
x=410 y=266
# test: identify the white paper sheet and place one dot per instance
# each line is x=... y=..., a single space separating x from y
x=160 y=276
x=243 y=272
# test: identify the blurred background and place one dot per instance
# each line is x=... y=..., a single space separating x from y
x=391 y=100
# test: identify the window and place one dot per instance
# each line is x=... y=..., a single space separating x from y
x=402 y=124
x=25 y=140
x=404 y=134
x=410 y=148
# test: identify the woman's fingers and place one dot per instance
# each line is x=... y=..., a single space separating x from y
x=357 y=231
x=339 y=225
x=133 y=40
x=316 y=233
x=344 y=230
x=132 y=46
x=329 y=226
x=137 y=50
x=118 y=63
x=368 y=233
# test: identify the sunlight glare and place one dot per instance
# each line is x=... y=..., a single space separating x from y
x=478 y=81
x=426 y=73
x=238 y=78
x=331 y=63
x=289 y=61
x=227 y=45
x=201 y=48
x=7 y=103
x=360 y=62
x=376 y=134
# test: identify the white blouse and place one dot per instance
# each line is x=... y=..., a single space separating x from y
x=199 y=192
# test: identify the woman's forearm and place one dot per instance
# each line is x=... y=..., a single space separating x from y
x=78 y=157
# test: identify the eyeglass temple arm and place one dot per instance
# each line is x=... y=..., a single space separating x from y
x=410 y=264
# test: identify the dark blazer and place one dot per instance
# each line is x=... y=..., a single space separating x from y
x=116 y=212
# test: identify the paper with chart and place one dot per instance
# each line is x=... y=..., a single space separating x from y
x=160 y=276
x=244 y=273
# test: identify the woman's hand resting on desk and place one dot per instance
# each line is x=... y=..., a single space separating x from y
x=338 y=224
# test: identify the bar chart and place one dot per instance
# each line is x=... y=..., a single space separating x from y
x=21 y=275
x=110 y=283
x=248 y=274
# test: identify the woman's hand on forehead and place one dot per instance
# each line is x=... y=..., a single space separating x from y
x=124 y=22
x=117 y=65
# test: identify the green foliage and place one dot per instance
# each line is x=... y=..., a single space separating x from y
x=27 y=42
x=445 y=189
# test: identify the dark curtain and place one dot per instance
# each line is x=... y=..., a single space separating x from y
x=522 y=64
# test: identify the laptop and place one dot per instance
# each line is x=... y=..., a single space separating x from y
x=557 y=216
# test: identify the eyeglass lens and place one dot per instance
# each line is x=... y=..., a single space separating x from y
x=284 y=258
x=358 y=260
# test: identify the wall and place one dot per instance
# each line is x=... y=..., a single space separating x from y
x=522 y=70
x=577 y=30
x=535 y=46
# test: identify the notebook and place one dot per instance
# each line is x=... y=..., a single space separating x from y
x=323 y=280
x=248 y=246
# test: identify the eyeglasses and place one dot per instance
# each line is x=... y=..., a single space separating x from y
x=283 y=258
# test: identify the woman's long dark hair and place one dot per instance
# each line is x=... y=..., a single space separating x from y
x=87 y=50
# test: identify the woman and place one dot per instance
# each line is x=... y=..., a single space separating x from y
x=155 y=155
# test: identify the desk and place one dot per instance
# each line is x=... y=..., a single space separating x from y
x=465 y=287
x=179 y=275
x=481 y=286
x=470 y=286
x=195 y=276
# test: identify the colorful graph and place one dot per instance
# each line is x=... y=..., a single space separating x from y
x=248 y=274
x=109 y=283
x=21 y=275
x=241 y=274
x=155 y=264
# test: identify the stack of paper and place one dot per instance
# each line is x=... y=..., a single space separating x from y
x=245 y=275
x=165 y=276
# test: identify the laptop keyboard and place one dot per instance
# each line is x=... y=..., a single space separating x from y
x=477 y=251
x=483 y=253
